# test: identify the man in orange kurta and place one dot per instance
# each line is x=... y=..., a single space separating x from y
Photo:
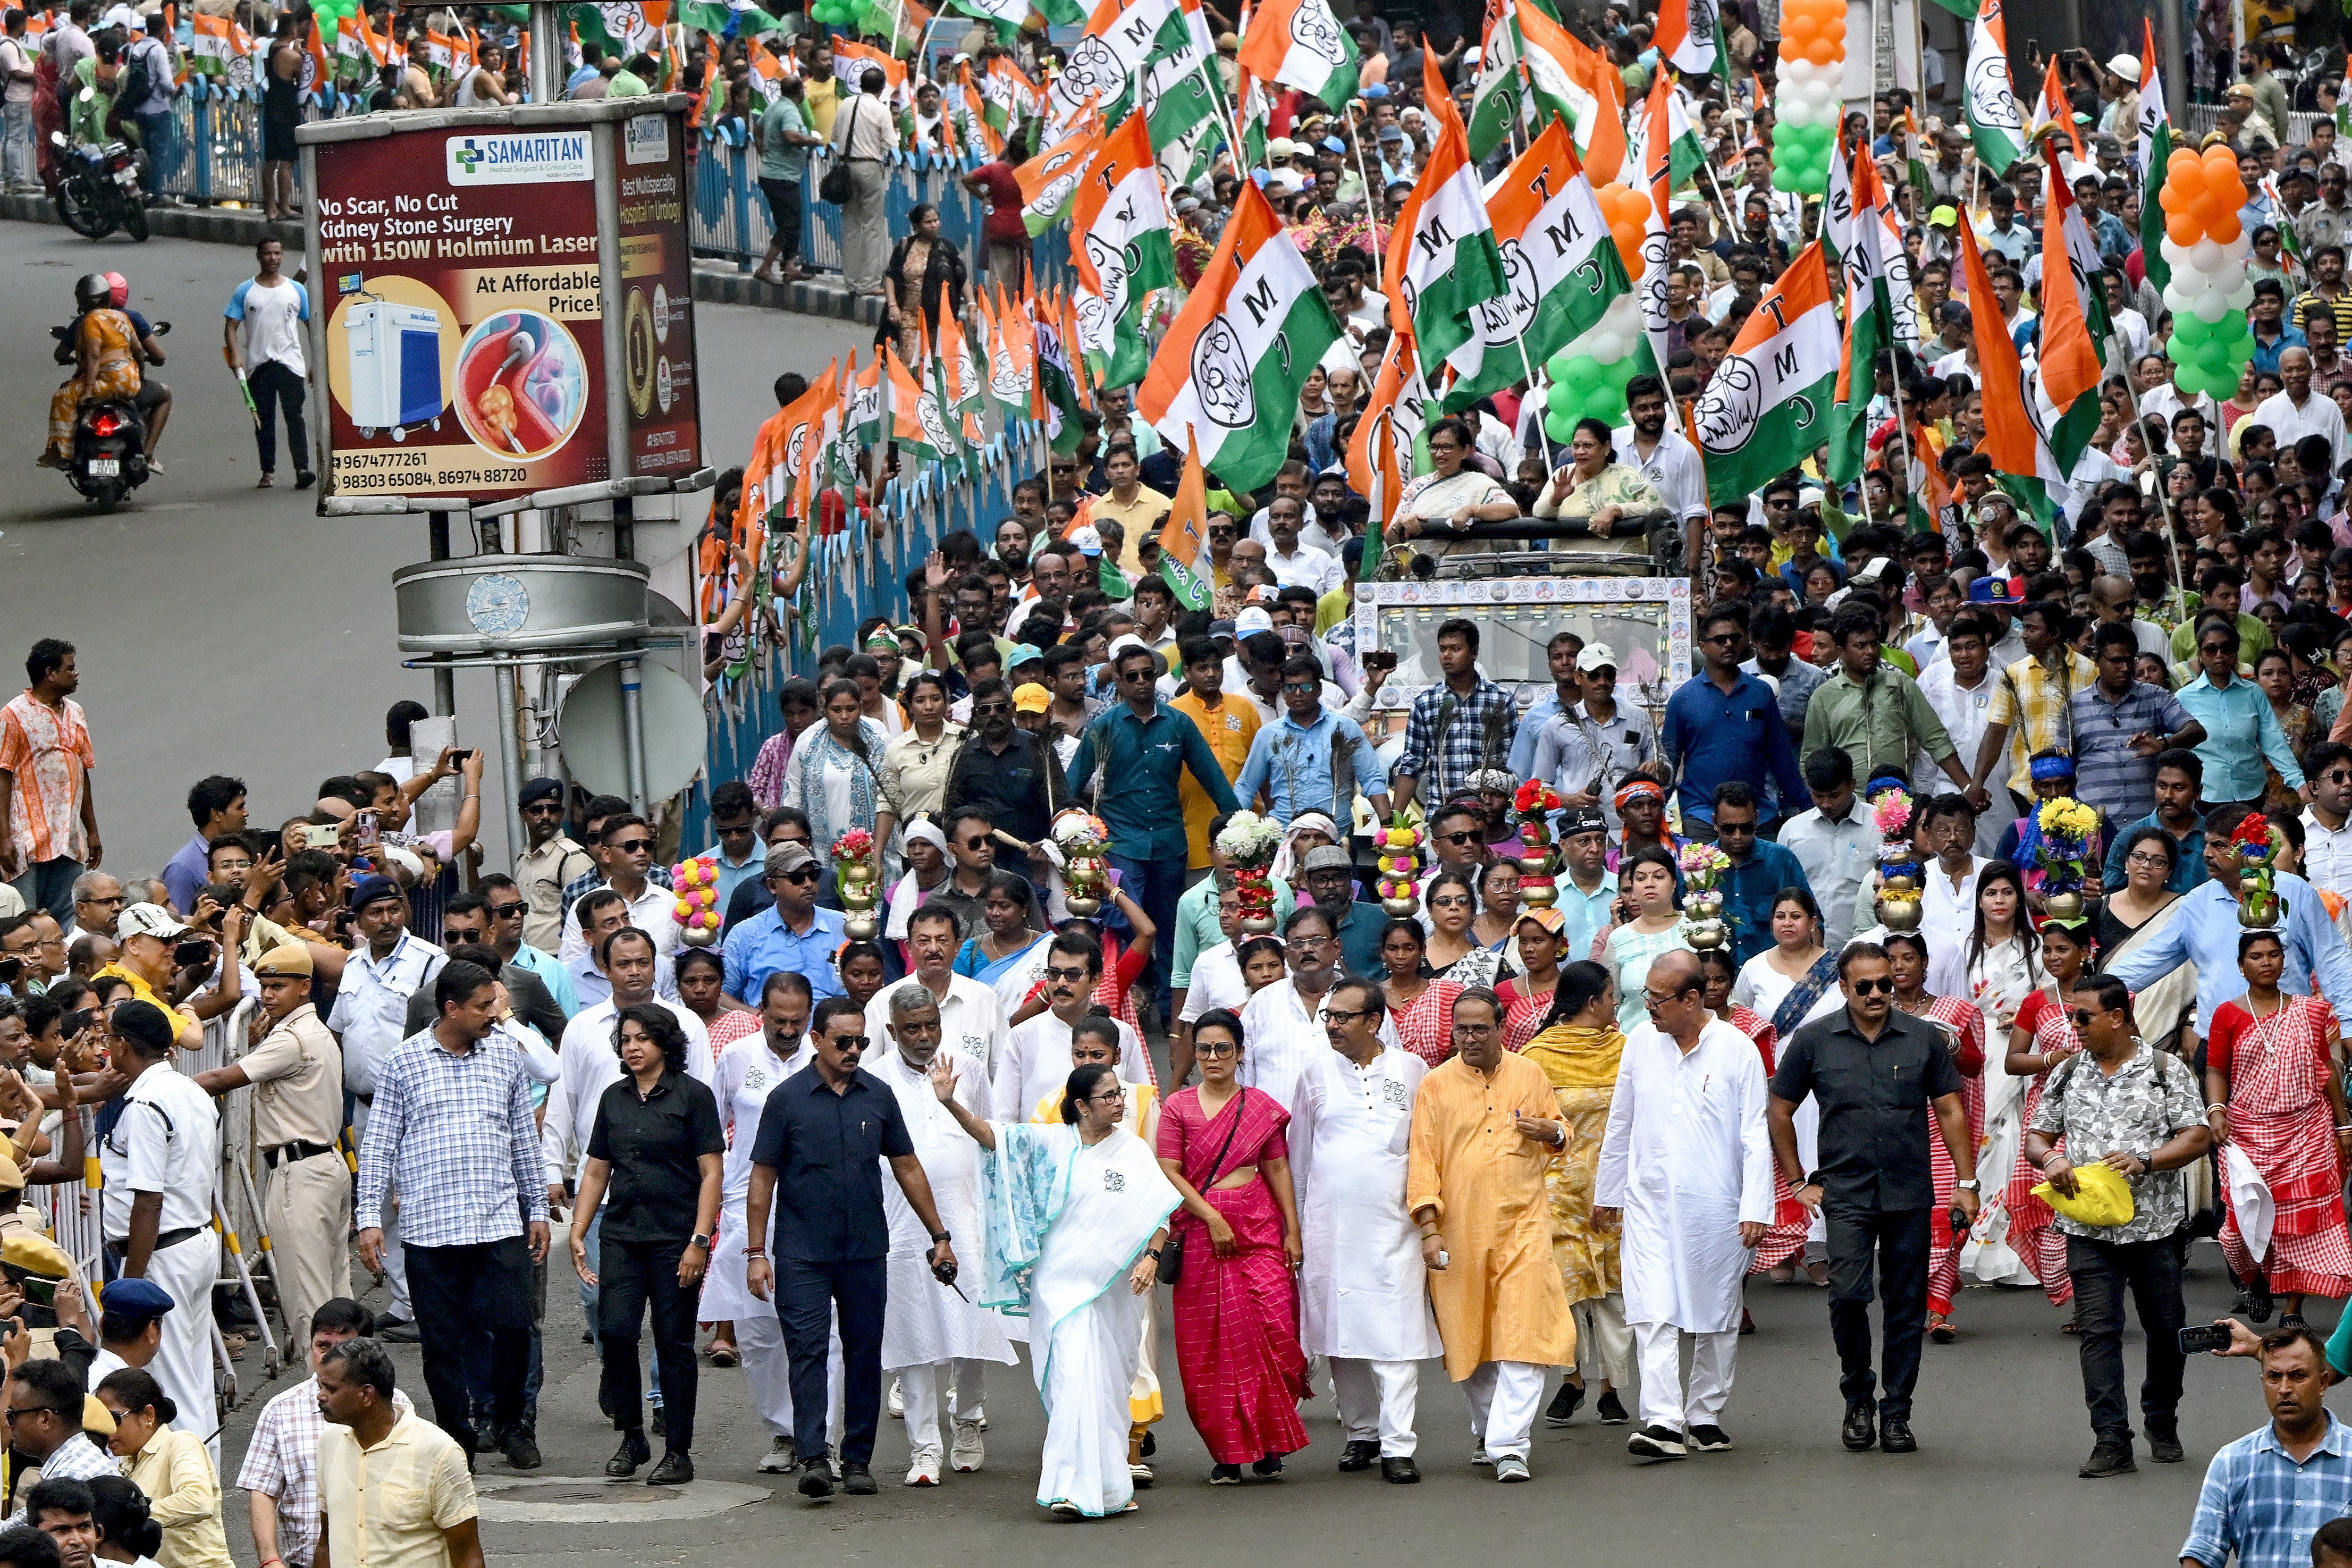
x=1484 y=1134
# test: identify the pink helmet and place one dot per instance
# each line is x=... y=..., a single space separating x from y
x=118 y=289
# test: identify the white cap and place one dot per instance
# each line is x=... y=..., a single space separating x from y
x=1251 y=621
x=147 y=920
x=1085 y=540
x=1282 y=182
x=1597 y=656
x=2126 y=66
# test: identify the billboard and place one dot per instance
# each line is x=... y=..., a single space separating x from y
x=474 y=334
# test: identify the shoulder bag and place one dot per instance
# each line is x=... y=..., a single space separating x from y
x=833 y=184
x=1172 y=1253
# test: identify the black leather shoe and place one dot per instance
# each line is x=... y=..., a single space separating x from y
x=816 y=1479
x=1895 y=1436
x=1563 y=1408
x=1358 y=1456
x=522 y=1451
x=677 y=1469
x=634 y=1451
x=2109 y=1457
x=1402 y=1472
x=858 y=1480
x=1861 y=1430
x=2164 y=1444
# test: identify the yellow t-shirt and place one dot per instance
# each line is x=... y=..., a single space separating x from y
x=143 y=991
x=1229 y=728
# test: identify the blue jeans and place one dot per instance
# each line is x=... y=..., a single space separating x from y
x=155 y=140
x=49 y=885
x=1155 y=885
x=18 y=158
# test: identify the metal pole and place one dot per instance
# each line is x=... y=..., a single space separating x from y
x=632 y=730
x=2176 y=67
x=547 y=73
x=445 y=678
x=503 y=677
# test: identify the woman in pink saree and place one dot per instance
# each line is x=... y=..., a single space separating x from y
x=1237 y=1309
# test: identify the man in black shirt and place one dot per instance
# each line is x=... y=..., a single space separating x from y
x=998 y=773
x=822 y=1135
x=1874 y=1071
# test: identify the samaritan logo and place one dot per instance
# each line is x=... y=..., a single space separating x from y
x=520 y=158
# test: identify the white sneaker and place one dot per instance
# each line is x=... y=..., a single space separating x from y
x=969 y=1452
x=778 y=1459
x=1478 y=1455
x=1510 y=1467
x=923 y=1468
x=897 y=1401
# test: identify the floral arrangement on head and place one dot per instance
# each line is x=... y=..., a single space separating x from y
x=1702 y=861
x=1250 y=840
x=2257 y=844
x=2065 y=824
x=1535 y=798
x=1891 y=814
x=696 y=883
x=855 y=845
x=1078 y=831
x=2068 y=820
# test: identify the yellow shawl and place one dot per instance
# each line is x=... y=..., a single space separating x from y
x=1574 y=1058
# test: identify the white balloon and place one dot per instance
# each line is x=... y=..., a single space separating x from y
x=2174 y=255
x=1624 y=315
x=2210 y=306
x=2205 y=256
x=2177 y=295
x=2240 y=247
x=2241 y=294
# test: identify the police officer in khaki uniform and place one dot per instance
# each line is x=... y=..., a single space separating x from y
x=296 y=1072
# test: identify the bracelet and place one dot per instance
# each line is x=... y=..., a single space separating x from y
x=748 y=1252
x=2217 y=1105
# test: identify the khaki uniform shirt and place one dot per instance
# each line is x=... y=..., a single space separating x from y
x=541 y=873
x=298 y=1077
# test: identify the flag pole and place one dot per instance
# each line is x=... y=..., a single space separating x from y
x=1373 y=197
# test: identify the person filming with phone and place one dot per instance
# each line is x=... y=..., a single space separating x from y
x=2123 y=1104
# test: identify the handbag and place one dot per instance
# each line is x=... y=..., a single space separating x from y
x=833 y=185
x=1172 y=1253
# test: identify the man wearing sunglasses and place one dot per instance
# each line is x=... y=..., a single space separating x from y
x=735 y=834
x=625 y=847
x=1872 y=1072
x=507 y=911
x=2327 y=821
x=551 y=862
x=1005 y=773
x=2133 y=1108
x=792 y=933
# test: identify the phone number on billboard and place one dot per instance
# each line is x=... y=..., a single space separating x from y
x=382 y=481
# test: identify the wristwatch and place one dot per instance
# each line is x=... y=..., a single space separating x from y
x=701 y=1240
x=1971 y=1186
x=938 y=1237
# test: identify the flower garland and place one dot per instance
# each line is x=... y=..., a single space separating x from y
x=2257 y=844
x=696 y=910
x=1533 y=803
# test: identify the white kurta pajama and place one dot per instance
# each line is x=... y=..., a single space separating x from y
x=1363 y=1290
x=926 y=1329
x=1063 y=1225
x=746 y=1073
x=1687 y=1160
x=1283 y=1037
x=1036 y=1061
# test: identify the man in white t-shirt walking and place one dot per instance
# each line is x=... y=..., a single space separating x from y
x=16 y=73
x=263 y=333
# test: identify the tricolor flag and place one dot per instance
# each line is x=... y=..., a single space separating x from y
x=1184 y=540
x=1228 y=374
x=1442 y=261
x=1050 y=179
x=1057 y=382
x=767 y=72
x=2053 y=112
x=2011 y=436
x=1119 y=220
x=210 y=48
x=1770 y=402
x=850 y=59
x=1690 y=36
x=1300 y=44
x=1686 y=155
x=1561 y=270
x=1837 y=202
x=1657 y=253
x=915 y=422
x=1869 y=326
x=1499 y=101
x=1120 y=40
x=1381 y=453
x=2073 y=323
x=1996 y=124
x=2156 y=152
x=1597 y=90
x=868 y=408
x=1012 y=358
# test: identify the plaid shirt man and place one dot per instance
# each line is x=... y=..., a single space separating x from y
x=2042 y=696
x=2266 y=1507
x=76 y=1459
x=1446 y=738
x=459 y=1132
x=283 y=1464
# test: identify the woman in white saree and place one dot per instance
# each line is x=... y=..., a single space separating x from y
x=1074 y=1217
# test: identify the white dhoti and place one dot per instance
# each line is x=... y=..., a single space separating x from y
x=1664 y=1402
x=919 y=1388
x=1503 y=1398
x=1376 y=1401
x=1085 y=1379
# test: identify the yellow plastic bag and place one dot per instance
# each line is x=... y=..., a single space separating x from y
x=2101 y=1197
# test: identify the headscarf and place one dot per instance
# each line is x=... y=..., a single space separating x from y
x=1287 y=859
x=1643 y=789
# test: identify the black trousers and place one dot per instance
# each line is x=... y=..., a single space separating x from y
x=630 y=1276
x=473 y=1309
x=274 y=386
x=806 y=1297
x=1899 y=1240
x=2102 y=1271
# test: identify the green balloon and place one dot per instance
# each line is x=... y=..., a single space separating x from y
x=1559 y=423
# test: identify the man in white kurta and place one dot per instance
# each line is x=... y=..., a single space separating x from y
x=1363 y=1293
x=1036 y=1054
x=749 y=1070
x=1285 y=1023
x=1686 y=1165
x=972 y=1020
x=929 y=1332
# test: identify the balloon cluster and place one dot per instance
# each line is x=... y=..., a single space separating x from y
x=833 y=13
x=1400 y=866
x=1626 y=211
x=696 y=910
x=1587 y=377
x=1806 y=109
x=332 y=16
x=2209 y=291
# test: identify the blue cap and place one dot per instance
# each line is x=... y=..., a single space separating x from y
x=368 y=889
x=1996 y=591
x=1377 y=90
x=135 y=1299
x=1333 y=144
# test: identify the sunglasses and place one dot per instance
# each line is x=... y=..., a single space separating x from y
x=849 y=1044
x=982 y=709
x=1220 y=1049
x=2083 y=1016
x=1872 y=987
x=801 y=874
x=1302 y=688
x=543 y=808
x=1072 y=976
x=976 y=842
x=1469 y=837
x=513 y=912
x=633 y=845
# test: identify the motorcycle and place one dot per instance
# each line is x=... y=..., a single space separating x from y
x=108 y=460
x=98 y=188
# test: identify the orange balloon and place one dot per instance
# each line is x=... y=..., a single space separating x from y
x=1797 y=30
x=1628 y=241
x=2226 y=230
x=1822 y=52
x=2183 y=229
x=2170 y=198
x=2220 y=163
x=2186 y=173
x=2231 y=193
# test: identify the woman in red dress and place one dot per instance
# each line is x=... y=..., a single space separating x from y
x=1964 y=1032
x=2268 y=1067
x=2043 y=1037
x=1420 y=1009
x=1237 y=1301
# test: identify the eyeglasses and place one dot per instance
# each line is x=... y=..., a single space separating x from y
x=1653 y=1001
x=101 y=902
x=1307 y=944
x=2150 y=862
x=2083 y=1016
x=741 y=830
x=543 y=808
x=1302 y=688
x=1108 y=1096
x=982 y=709
x=1344 y=1017
x=1872 y=987
x=513 y=912
x=977 y=841
x=1726 y=829
x=1073 y=976
x=1220 y=1049
x=33 y=1410
x=850 y=1042
x=633 y=845
x=1469 y=837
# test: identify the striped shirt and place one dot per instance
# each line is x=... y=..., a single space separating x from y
x=2109 y=774
x=283 y=1463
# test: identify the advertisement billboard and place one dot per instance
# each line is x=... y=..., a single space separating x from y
x=471 y=323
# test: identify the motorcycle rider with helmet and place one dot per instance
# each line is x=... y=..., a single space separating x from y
x=105 y=348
